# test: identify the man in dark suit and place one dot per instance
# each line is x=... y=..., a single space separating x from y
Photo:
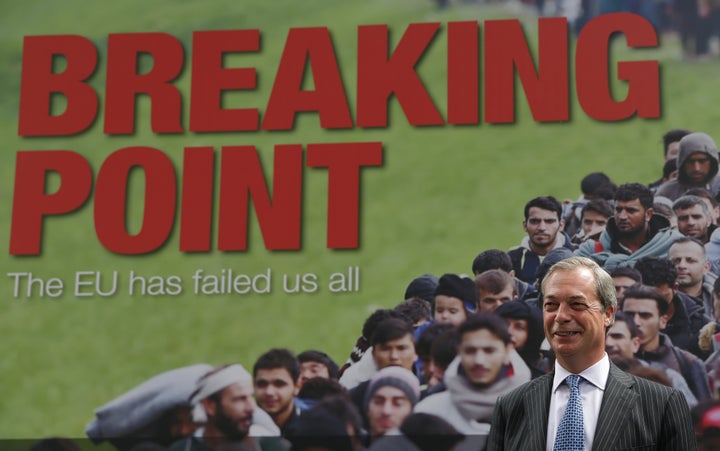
x=618 y=410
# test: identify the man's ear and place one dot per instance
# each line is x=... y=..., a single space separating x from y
x=649 y=213
x=609 y=316
x=210 y=407
x=525 y=226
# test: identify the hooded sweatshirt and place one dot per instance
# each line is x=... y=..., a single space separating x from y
x=694 y=143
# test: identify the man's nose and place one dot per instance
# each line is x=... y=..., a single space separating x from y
x=563 y=313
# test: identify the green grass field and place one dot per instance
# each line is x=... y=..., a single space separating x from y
x=442 y=195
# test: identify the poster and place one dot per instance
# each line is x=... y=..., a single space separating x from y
x=83 y=320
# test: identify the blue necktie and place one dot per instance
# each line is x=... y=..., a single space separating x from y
x=570 y=433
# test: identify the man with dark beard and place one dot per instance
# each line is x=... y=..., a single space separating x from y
x=225 y=395
x=633 y=232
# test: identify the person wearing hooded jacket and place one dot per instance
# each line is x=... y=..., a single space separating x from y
x=697 y=163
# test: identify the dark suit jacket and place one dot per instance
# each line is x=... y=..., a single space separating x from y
x=635 y=414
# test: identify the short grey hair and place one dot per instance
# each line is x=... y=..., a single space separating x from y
x=689 y=201
x=604 y=287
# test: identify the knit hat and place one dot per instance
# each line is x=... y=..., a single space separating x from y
x=423 y=287
x=394 y=376
x=461 y=287
x=709 y=419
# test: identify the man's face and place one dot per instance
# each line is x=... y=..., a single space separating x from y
x=542 y=227
x=518 y=329
x=399 y=352
x=490 y=301
x=232 y=415
x=646 y=317
x=690 y=262
x=622 y=283
x=697 y=167
x=574 y=318
x=593 y=222
x=672 y=150
x=311 y=369
x=619 y=343
x=387 y=409
x=482 y=356
x=449 y=310
x=274 y=390
x=631 y=217
x=693 y=222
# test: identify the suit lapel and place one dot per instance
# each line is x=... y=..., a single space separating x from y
x=617 y=400
x=537 y=404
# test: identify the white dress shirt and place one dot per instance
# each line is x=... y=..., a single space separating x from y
x=592 y=389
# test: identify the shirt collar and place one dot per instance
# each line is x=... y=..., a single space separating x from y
x=597 y=374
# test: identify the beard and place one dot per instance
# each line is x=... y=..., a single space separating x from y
x=229 y=426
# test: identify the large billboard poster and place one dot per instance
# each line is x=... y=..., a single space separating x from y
x=198 y=182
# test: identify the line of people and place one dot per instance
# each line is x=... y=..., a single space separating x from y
x=427 y=374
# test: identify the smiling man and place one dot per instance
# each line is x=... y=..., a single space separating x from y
x=587 y=400
x=275 y=376
x=633 y=232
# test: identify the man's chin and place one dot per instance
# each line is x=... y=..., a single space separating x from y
x=234 y=430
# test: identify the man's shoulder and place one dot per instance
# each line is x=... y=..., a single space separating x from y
x=672 y=190
x=687 y=356
x=517 y=251
x=433 y=402
x=646 y=388
x=518 y=394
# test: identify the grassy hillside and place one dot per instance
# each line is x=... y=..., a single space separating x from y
x=442 y=195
